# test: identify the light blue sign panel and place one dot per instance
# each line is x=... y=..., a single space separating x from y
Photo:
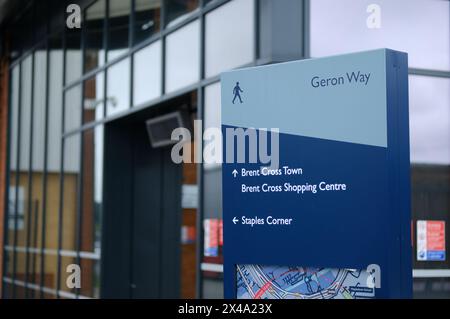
x=300 y=98
x=333 y=220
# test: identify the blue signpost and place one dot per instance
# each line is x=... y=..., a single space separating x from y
x=330 y=216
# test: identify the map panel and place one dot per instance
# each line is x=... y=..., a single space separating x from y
x=277 y=282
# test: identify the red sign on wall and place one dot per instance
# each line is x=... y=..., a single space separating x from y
x=430 y=240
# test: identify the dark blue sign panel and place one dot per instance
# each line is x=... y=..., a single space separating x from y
x=316 y=185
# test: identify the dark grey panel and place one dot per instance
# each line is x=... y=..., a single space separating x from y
x=146 y=217
x=116 y=222
x=142 y=195
x=171 y=225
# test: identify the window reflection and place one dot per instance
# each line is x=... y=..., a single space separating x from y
x=91 y=211
x=71 y=179
x=94 y=55
x=50 y=275
x=37 y=167
x=182 y=57
x=430 y=193
x=20 y=274
x=72 y=108
x=93 y=103
x=147 y=73
x=65 y=262
x=178 y=10
x=7 y=289
x=90 y=278
x=429 y=118
x=54 y=127
x=213 y=118
x=33 y=273
x=118 y=22
x=38 y=141
x=9 y=271
x=118 y=88
x=147 y=19
x=212 y=202
x=14 y=125
x=429 y=114
x=53 y=148
x=23 y=207
x=92 y=189
x=220 y=36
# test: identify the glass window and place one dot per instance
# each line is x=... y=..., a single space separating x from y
x=429 y=111
x=7 y=289
x=118 y=88
x=212 y=202
x=147 y=73
x=92 y=190
x=71 y=180
x=429 y=117
x=25 y=113
x=90 y=278
x=421 y=28
x=213 y=117
x=147 y=19
x=13 y=175
x=24 y=156
x=118 y=20
x=91 y=211
x=66 y=261
x=14 y=125
x=34 y=273
x=94 y=55
x=54 y=127
x=72 y=109
x=50 y=274
x=182 y=57
x=37 y=168
x=178 y=10
x=93 y=104
x=39 y=105
x=229 y=45
x=9 y=271
x=20 y=274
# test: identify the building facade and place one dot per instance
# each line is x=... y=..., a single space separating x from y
x=82 y=185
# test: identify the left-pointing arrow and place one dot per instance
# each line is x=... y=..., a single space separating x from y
x=235 y=220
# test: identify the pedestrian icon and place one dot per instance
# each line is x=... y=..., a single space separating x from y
x=237 y=93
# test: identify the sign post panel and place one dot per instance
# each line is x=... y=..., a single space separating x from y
x=315 y=178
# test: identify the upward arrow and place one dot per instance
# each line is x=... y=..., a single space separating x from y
x=235 y=172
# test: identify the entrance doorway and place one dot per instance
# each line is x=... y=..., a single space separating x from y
x=148 y=244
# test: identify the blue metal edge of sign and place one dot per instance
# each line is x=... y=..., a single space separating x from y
x=399 y=171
